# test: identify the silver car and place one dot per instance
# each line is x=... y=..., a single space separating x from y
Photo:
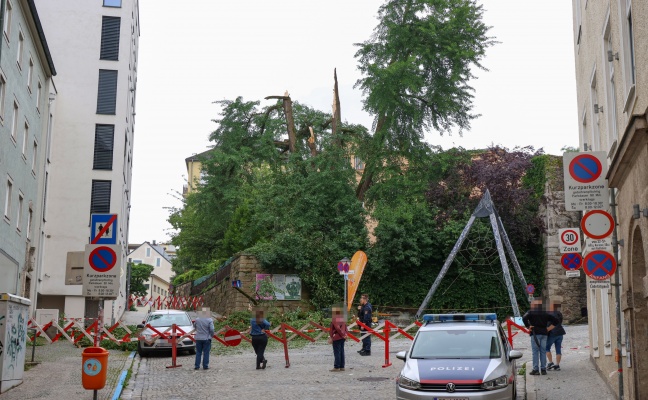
x=458 y=357
x=162 y=320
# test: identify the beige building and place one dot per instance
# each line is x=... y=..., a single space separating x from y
x=161 y=277
x=194 y=171
x=611 y=48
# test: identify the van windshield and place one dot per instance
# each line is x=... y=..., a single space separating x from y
x=456 y=344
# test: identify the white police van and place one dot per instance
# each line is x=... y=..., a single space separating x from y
x=458 y=357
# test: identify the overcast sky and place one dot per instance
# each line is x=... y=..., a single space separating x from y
x=199 y=51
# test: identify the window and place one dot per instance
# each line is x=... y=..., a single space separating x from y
x=103 y=147
x=25 y=136
x=359 y=165
x=110 y=38
x=628 y=53
x=8 y=195
x=596 y=112
x=39 y=91
x=21 y=48
x=30 y=218
x=148 y=252
x=3 y=88
x=14 y=123
x=34 y=156
x=21 y=200
x=579 y=22
x=45 y=196
x=137 y=261
x=112 y=3
x=157 y=262
x=583 y=129
x=7 y=19
x=107 y=92
x=611 y=91
x=30 y=74
x=100 y=197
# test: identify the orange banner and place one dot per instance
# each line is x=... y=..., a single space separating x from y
x=358 y=262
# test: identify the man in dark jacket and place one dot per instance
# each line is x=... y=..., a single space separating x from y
x=364 y=315
x=555 y=338
x=540 y=323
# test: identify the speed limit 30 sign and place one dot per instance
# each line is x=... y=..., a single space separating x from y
x=569 y=240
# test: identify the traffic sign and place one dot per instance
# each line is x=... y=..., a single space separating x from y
x=101 y=272
x=597 y=224
x=599 y=265
x=343 y=267
x=569 y=240
x=530 y=289
x=585 y=168
x=232 y=337
x=585 y=184
x=571 y=261
x=573 y=274
x=598 y=244
x=103 y=229
x=603 y=284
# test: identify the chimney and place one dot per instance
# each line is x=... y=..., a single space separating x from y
x=154 y=243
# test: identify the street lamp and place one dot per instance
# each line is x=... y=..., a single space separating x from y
x=343 y=269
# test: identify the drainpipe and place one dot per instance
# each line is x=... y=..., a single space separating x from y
x=615 y=250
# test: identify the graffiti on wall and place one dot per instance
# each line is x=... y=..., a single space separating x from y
x=16 y=336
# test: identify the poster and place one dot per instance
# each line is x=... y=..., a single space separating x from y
x=287 y=287
x=293 y=287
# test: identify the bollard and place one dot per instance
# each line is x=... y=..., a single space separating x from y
x=174 y=349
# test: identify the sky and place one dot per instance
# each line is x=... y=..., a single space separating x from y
x=204 y=51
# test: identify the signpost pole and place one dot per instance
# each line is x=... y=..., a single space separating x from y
x=346 y=280
x=617 y=295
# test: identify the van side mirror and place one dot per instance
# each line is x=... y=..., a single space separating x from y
x=140 y=326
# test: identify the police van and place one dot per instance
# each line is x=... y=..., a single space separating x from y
x=458 y=357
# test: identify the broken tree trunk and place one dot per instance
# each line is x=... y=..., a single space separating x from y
x=290 y=122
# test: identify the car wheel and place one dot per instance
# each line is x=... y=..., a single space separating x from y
x=192 y=351
x=141 y=351
x=515 y=390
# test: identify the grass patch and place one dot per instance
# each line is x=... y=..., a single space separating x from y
x=522 y=370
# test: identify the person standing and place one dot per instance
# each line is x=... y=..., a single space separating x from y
x=540 y=323
x=555 y=338
x=258 y=325
x=364 y=315
x=204 y=327
x=337 y=337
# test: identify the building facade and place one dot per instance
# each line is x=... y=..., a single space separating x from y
x=26 y=70
x=159 y=282
x=611 y=48
x=89 y=171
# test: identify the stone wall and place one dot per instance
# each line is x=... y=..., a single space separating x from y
x=570 y=293
x=222 y=298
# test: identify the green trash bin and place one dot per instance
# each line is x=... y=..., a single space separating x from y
x=94 y=368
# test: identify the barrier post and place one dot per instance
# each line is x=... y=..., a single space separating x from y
x=387 y=363
x=174 y=350
x=285 y=343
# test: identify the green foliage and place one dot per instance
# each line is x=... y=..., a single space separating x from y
x=140 y=274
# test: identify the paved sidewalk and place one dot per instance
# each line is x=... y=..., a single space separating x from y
x=577 y=378
x=58 y=376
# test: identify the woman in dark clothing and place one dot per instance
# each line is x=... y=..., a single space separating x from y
x=258 y=325
x=555 y=338
x=337 y=337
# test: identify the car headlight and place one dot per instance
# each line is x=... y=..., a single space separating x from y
x=497 y=383
x=408 y=383
x=148 y=337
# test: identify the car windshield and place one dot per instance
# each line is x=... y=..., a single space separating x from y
x=158 y=320
x=456 y=344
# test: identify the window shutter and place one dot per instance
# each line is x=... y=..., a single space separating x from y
x=110 y=38
x=103 y=147
x=107 y=92
x=100 y=201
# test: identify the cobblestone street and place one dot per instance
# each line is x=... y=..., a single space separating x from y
x=234 y=376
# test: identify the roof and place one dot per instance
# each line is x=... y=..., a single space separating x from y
x=158 y=249
x=41 y=35
x=199 y=156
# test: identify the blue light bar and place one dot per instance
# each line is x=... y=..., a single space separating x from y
x=459 y=317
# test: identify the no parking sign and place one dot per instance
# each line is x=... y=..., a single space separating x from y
x=585 y=184
x=101 y=272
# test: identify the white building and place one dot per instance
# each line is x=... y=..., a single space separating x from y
x=26 y=70
x=160 y=280
x=89 y=168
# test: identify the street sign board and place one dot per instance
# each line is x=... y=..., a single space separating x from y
x=530 y=289
x=585 y=184
x=232 y=337
x=103 y=229
x=597 y=224
x=571 y=261
x=572 y=274
x=101 y=272
x=599 y=265
x=598 y=244
x=595 y=284
x=570 y=241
